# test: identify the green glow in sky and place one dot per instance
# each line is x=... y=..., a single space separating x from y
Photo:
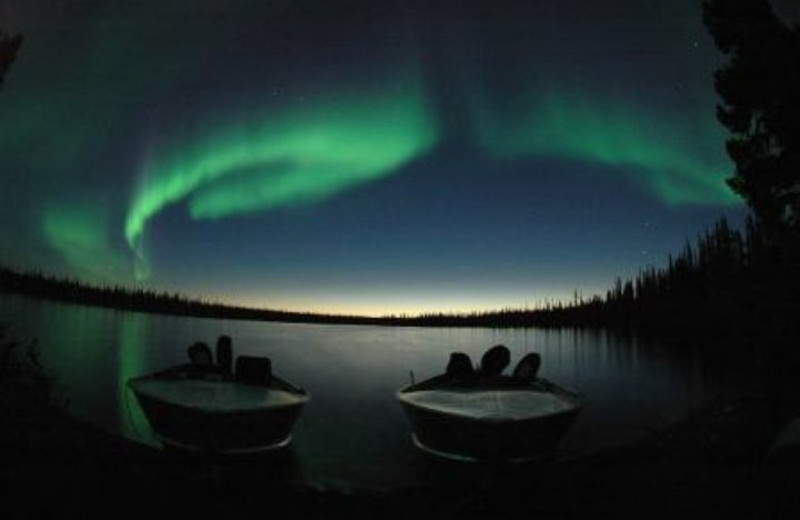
x=285 y=157
x=81 y=236
x=666 y=154
x=120 y=118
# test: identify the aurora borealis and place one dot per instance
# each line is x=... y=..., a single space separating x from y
x=354 y=156
x=270 y=160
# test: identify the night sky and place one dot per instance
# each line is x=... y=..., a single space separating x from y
x=359 y=157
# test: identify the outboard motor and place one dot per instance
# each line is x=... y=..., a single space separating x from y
x=224 y=355
x=528 y=367
x=495 y=360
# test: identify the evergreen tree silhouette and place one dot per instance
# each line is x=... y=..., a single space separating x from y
x=760 y=91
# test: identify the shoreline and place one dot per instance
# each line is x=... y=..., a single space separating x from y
x=592 y=314
x=712 y=461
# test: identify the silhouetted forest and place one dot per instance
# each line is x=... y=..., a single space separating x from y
x=729 y=281
x=39 y=285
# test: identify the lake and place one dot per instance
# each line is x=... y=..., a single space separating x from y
x=353 y=431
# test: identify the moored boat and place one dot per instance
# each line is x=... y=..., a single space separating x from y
x=205 y=407
x=483 y=415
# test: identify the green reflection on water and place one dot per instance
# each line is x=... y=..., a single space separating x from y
x=71 y=341
x=130 y=363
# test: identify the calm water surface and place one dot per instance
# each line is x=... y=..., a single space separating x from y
x=353 y=430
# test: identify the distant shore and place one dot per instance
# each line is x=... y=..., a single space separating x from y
x=37 y=285
x=625 y=310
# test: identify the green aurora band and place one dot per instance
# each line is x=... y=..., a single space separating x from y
x=320 y=145
x=82 y=184
x=320 y=148
x=285 y=157
x=671 y=157
x=81 y=236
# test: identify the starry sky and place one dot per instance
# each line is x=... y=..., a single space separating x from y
x=365 y=157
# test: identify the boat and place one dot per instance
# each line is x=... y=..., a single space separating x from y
x=209 y=408
x=482 y=415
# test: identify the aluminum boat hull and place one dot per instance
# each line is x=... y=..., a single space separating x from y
x=212 y=416
x=462 y=434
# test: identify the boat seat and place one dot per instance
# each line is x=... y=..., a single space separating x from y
x=200 y=355
x=224 y=355
x=255 y=370
x=495 y=360
x=460 y=368
x=528 y=367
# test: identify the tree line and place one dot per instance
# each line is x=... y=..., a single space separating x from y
x=39 y=285
x=728 y=281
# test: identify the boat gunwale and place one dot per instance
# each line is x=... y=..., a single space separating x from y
x=574 y=399
x=301 y=394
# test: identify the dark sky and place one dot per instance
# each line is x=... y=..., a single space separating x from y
x=365 y=157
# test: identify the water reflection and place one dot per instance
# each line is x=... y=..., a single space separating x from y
x=130 y=353
x=74 y=346
x=353 y=429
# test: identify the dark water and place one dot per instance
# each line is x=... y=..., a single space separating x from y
x=353 y=430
